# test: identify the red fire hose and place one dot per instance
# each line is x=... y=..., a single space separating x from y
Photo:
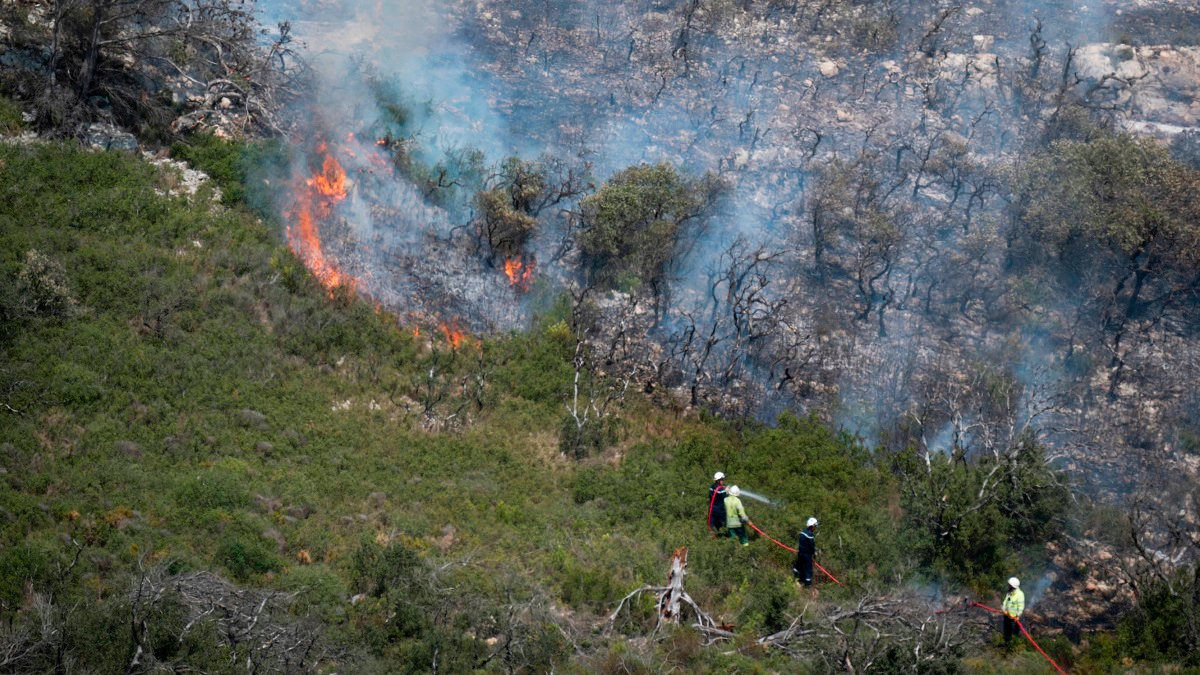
x=1023 y=632
x=711 y=500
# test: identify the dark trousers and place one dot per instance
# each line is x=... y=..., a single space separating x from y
x=717 y=524
x=802 y=569
x=1010 y=628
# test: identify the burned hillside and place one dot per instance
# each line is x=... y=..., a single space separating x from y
x=886 y=246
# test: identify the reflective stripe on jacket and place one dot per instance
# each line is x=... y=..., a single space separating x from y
x=735 y=514
x=806 y=544
x=1014 y=603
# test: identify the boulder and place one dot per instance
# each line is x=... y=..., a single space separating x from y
x=105 y=136
x=252 y=419
x=129 y=449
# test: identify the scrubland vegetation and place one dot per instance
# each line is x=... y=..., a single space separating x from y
x=180 y=396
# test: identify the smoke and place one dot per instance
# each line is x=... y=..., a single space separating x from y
x=1034 y=593
x=864 y=153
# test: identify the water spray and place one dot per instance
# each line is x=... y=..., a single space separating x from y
x=757 y=497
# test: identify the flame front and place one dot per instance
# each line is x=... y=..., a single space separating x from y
x=314 y=200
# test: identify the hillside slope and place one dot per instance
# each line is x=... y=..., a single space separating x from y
x=209 y=460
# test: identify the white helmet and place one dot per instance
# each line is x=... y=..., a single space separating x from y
x=735 y=491
x=1014 y=582
x=812 y=522
x=718 y=475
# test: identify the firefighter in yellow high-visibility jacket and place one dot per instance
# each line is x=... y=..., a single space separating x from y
x=735 y=516
x=1014 y=604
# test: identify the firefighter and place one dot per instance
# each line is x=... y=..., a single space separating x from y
x=735 y=516
x=806 y=549
x=716 y=504
x=1014 y=604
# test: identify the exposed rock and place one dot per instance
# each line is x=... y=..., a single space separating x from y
x=264 y=448
x=378 y=498
x=300 y=511
x=827 y=68
x=277 y=537
x=1161 y=84
x=129 y=449
x=294 y=437
x=253 y=418
x=189 y=180
x=108 y=137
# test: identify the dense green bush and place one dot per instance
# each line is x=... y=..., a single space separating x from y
x=245 y=558
x=238 y=168
x=635 y=223
x=1164 y=625
x=971 y=517
x=10 y=117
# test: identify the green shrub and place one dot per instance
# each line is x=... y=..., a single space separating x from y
x=245 y=558
x=43 y=289
x=592 y=437
x=11 y=121
x=590 y=588
x=320 y=591
x=977 y=542
x=19 y=565
x=238 y=168
x=1164 y=625
x=379 y=571
x=212 y=489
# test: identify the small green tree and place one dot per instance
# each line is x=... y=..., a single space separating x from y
x=508 y=210
x=43 y=289
x=1115 y=217
x=634 y=226
x=969 y=516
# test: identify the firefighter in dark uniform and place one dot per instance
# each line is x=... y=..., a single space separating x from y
x=806 y=549
x=716 y=504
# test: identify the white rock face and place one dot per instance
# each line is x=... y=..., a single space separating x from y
x=828 y=68
x=1163 y=83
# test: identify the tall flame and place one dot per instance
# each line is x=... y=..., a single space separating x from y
x=314 y=200
x=331 y=181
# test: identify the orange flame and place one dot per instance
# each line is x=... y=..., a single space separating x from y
x=314 y=199
x=454 y=335
x=331 y=182
x=519 y=273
